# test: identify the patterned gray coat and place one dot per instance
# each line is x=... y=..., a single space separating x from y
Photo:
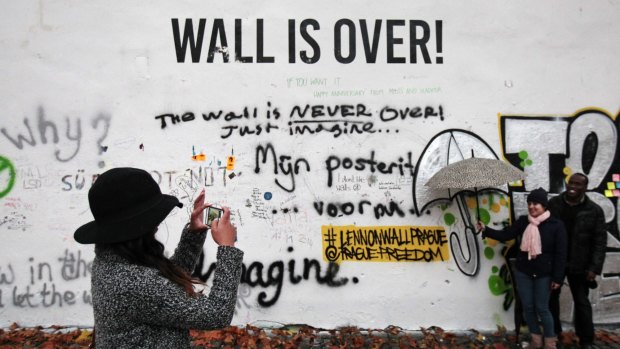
x=136 y=307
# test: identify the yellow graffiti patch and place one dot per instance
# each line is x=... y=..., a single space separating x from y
x=199 y=157
x=384 y=244
x=230 y=163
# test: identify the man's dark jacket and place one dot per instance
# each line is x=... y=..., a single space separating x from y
x=586 y=232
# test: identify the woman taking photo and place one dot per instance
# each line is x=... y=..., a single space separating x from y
x=539 y=265
x=141 y=298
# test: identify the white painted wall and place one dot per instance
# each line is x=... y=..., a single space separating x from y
x=83 y=85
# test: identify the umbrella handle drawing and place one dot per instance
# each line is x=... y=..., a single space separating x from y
x=469 y=265
x=477 y=204
x=463 y=208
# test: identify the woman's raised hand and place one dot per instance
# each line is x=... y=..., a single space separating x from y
x=224 y=233
x=197 y=220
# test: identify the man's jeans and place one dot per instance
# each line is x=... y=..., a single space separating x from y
x=534 y=294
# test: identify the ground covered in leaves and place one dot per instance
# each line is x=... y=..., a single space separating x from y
x=301 y=336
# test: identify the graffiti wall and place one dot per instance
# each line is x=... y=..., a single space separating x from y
x=319 y=124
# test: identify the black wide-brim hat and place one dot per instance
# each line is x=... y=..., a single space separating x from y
x=127 y=204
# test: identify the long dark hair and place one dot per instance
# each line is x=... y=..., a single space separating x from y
x=148 y=251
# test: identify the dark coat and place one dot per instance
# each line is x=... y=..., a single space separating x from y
x=551 y=261
x=136 y=307
x=586 y=232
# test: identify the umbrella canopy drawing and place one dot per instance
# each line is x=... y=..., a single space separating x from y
x=474 y=173
x=448 y=147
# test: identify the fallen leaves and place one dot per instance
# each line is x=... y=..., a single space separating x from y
x=46 y=338
x=298 y=336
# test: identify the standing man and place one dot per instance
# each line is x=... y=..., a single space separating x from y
x=587 y=240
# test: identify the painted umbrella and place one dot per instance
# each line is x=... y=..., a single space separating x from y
x=448 y=147
x=473 y=173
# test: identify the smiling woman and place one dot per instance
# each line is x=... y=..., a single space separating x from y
x=539 y=264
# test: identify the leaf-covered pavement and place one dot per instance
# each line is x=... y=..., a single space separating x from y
x=301 y=336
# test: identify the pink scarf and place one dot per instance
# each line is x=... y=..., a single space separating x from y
x=531 y=236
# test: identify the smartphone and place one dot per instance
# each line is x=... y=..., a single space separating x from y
x=212 y=214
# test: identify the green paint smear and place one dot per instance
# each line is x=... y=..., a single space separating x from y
x=523 y=155
x=6 y=165
x=449 y=218
x=497 y=286
x=485 y=217
x=489 y=252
